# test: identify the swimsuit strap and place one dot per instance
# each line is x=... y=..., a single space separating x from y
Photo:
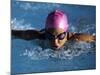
x=67 y=35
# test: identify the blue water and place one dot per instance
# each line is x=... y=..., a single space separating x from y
x=35 y=55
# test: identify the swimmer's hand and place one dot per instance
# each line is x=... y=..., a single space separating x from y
x=82 y=37
x=26 y=34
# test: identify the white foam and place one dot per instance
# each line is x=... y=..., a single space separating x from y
x=19 y=25
x=69 y=51
x=88 y=28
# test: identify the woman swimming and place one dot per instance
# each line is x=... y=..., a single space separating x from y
x=56 y=31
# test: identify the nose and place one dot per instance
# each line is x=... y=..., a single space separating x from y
x=55 y=43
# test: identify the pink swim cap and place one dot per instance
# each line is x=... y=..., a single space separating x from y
x=57 y=19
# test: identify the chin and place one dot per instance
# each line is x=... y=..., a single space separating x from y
x=56 y=48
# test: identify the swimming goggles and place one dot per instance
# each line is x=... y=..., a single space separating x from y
x=50 y=36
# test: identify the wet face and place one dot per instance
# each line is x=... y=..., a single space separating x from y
x=57 y=37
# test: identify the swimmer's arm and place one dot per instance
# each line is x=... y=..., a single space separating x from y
x=26 y=34
x=82 y=37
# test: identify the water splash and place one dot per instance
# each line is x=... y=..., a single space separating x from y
x=86 y=28
x=39 y=50
x=20 y=25
x=69 y=51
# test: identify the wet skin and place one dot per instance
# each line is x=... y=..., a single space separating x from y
x=57 y=43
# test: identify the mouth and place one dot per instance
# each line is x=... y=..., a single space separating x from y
x=56 y=47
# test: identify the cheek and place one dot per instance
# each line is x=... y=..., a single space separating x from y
x=62 y=42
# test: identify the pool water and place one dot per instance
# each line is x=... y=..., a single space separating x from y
x=36 y=55
x=27 y=57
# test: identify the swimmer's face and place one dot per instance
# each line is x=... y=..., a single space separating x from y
x=57 y=37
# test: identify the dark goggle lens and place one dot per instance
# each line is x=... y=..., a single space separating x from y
x=61 y=36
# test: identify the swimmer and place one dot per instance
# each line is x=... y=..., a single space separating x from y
x=56 y=31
